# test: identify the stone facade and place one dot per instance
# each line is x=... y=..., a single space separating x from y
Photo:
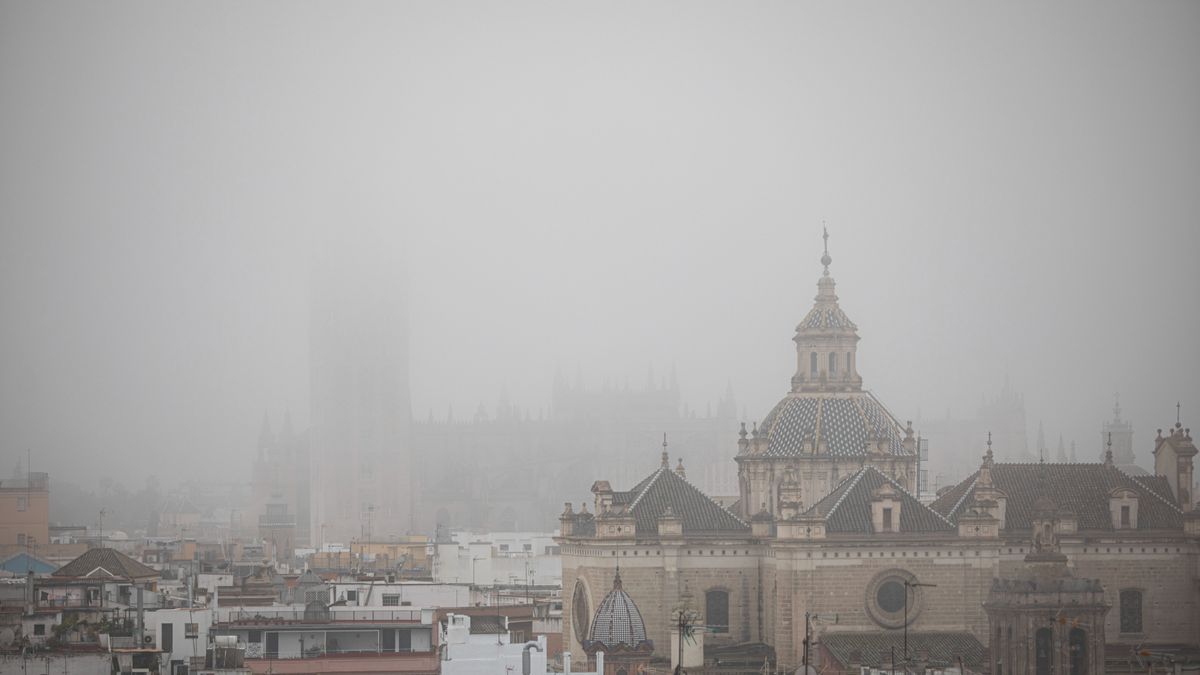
x=827 y=524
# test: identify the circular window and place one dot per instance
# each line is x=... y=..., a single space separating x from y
x=886 y=595
x=580 y=612
x=890 y=596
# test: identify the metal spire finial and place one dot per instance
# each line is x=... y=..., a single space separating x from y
x=825 y=259
x=1178 y=408
x=666 y=461
x=1108 y=456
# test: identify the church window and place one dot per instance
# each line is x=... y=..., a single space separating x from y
x=580 y=612
x=890 y=596
x=1077 y=647
x=887 y=519
x=812 y=363
x=716 y=611
x=1125 y=516
x=832 y=363
x=1044 y=650
x=1131 y=611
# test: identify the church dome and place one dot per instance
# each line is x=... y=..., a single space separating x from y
x=841 y=425
x=617 y=620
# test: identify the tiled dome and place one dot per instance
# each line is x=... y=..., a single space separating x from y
x=845 y=423
x=617 y=620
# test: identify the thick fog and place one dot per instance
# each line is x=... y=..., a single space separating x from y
x=1012 y=190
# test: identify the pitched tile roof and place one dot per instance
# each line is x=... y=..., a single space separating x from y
x=875 y=649
x=105 y=562
x=1081 y=488
x=845 y=423
x=848 y=507
x=650 y=498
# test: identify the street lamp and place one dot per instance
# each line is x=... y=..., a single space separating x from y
x=907 y=585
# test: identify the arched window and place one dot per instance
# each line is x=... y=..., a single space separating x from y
x=1077 y=643
x=849 y=363
x=1043 y=642
x=812 y=363
x=581 y=614
x=833 y=363
x=716 y=611
x=1131 y=611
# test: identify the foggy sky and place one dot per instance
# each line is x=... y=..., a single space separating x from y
x=1011 y=189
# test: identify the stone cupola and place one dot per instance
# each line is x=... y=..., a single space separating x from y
x=826 y=342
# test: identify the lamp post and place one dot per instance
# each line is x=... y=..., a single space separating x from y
x=907 y=585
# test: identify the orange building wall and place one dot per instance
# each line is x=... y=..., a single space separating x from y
x=25 y=510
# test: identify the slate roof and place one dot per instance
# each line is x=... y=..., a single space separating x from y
x=845 y=422
x=697 y=513
x=1081 y=488
x=848 y=508
x=105 y=562
x=875 y=648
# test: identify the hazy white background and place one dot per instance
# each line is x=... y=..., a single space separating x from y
x=1012 y=189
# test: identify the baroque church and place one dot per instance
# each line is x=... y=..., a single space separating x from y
x=827 y=541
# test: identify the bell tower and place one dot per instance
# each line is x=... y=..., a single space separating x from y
x=826 y=341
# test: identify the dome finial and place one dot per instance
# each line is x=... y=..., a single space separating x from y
x=617 y=578
x=825 y=259
x=666 y=461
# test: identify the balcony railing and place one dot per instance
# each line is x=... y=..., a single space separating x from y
x=258 y=651
x=268 y=616
x=69 y=603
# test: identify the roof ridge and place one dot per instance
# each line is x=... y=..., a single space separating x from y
x=849 y=488
x=703 y=494
x=653 y=479
x=970 y=489
x=1147 y=488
